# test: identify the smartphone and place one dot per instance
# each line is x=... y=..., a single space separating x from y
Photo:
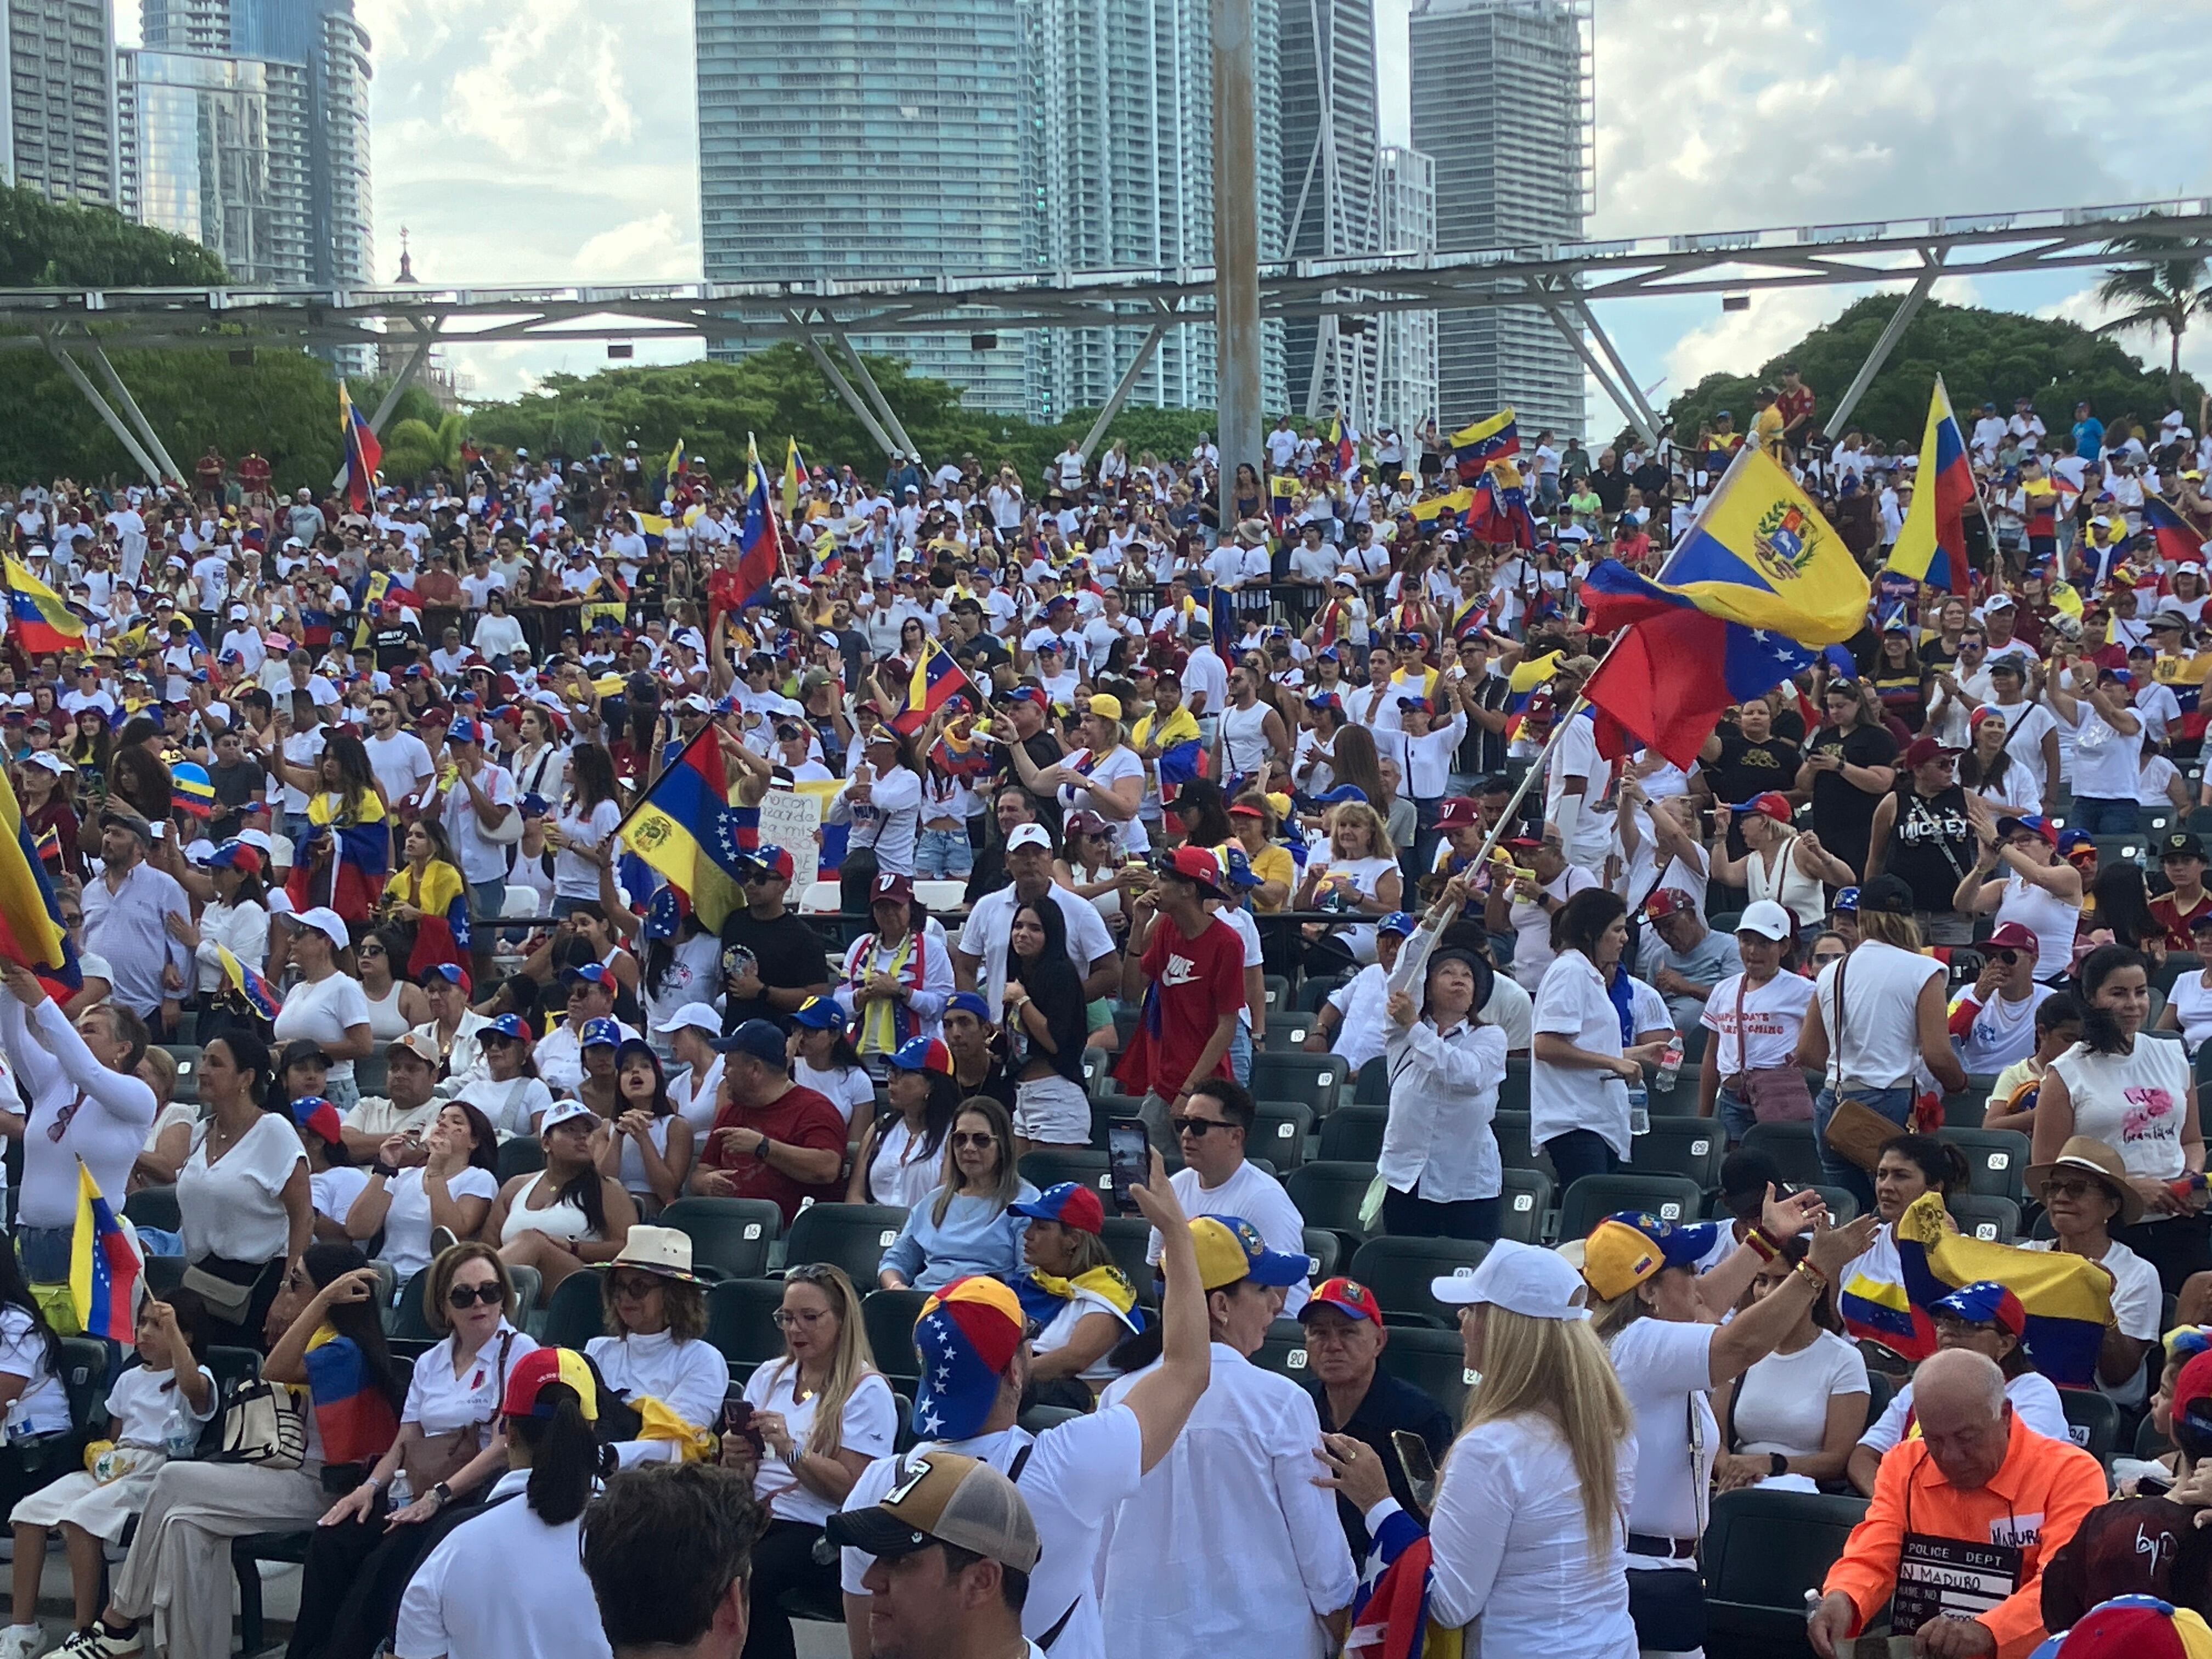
x=1420 y=1469
x=737 y=1419
x=1129 y=1158
x=161 y=832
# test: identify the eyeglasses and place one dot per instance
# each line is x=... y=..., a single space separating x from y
x=2073 y=1187
x=468 y=1296
x=975 y=1140
x=1198 y=1127
x=805 y=1318
x=634 y=1287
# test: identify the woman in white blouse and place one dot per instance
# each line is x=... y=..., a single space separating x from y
x=1585 y=1056
x=1791 y=1420
x=327 y=1006
x=1754 y=1017
x=656 y=1323
x=238 y=920
x=822 y=1413
x=448 y=1179
x=1107 y=778
x=1358 y=873
x=497 y=633
x=243 y=1198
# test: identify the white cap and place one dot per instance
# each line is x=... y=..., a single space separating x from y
x=327 y=922
x=47 y=761
x=559 y=1112
x=1029 y=835
x=257 y=839
x=1766 y=918
x=693 y=1016
x=1521 y=1279
x=278 y=901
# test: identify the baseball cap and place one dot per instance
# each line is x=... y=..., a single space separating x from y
x=1519 y=1278
x=1343 y=791
x=923 y=1054
x=1745 y=1174
x=967 y=1001
x=696 y=1016
x=1985 y=1302
x=512 y=1026
x=1885 y=896
x=2034 y=823
x=891 y=888
x=452 y=972
x=967 y=1333
x=1668 y=902
x=1029 y=835
x=1193 y=864
x=1230 y=1248
x=1847 y=901
x=1105 y=705
x=1921 y=750
x=559 y=1112
x=760 y=1038
x=233 y=855
x=539 y=1369
x=2011 y=936
x=318 y=1116
x=664 y=915
x=421 y=1044
x=2181 y=845
x=327 y=922
x=1631 y=1246
x=464 y=730
x=774 y=859
x=2071 y=841
x=601 y=1033
x=816 y=1013
x=1398 y=923
x=594 y=972
x=1070 y=1203
x=1457 y=812
x=1347 y=1295
x=2192 y=1404
x=2129 y=1627
x=1766 y=919
x=942 y=1497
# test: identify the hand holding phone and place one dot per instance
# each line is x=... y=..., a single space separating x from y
x=1128 y=1159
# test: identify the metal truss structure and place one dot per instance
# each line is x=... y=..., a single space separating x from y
x=1564 y=280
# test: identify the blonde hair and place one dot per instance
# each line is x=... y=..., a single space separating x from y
x=1886 y=927
x=1558 y=1368
x=853 y=1363
x=1378 y=828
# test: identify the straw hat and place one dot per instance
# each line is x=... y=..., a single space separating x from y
x=662 y=1251
x=2091 y=1157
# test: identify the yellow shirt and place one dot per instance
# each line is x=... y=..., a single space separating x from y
x=1274 y=863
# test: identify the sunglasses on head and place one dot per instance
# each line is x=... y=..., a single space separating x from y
x=468 y=1296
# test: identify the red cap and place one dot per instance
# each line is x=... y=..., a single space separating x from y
x=1921 y=750
x=1457 y=812
x=1348 y=1297
x=1196 y=863
x=1773 y=804
x=1668 y=902
x=2011 y=936
x=890 y=887
x=2193 y=1384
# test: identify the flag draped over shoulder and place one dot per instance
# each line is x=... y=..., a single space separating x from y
x=2067 y=1299
x=37 y=619
x=360 y=855
x=31 y=932
x=681 y=826
x=1931 y=547
x=354 y=1418
x=104 y=1265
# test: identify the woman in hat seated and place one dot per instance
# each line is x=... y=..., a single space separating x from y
x=655 y=1311
x=509 y=1092
x=2085 y=1194
x=1084 y=1302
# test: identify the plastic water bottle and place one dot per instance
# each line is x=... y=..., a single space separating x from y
x=1670 y=1068
x=1640 y=1112
x=400 y=1494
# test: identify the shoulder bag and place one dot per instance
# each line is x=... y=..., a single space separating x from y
x=264 y=1425
x=1776 y=1094
x=1856 y=1131
x=436 y=1457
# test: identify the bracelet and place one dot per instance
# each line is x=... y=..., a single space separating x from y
x=1812 y=1276
x=388 y=1171
x=1757 y=1242
x=791 y=1459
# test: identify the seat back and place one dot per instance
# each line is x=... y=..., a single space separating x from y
x=1316 y=1079
x=1278 y=1132
x=1398 y=1271
x=1513 y=1093
x=1992 y=1220
x=409 y=1322
x=1329 y=1195
x=1083 y=1166
x=1282 y=1351
x=853 y=1237
x=523 y=1155
x=1126 y=1236
x=741 y=1320
x=888 y=1317
x=1354 y=1134
x=1527 y=1205
x=1324 y=1253
x=1762 y=1548
x=1689 y=1147
x=575 y=1315
x=1516 y=1149
x=1372 y=1086
x=1592 y=1197
x=154 y=1206
x=2093 y=1420
x=731 y=1236
x=1996 y=1159
x=1794 y=1148
x=1433 y=1361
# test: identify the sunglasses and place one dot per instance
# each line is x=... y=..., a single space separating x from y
x=1198 y=1127
x=975 y=1140
x=634 y=1287
x=2007 y=959
x=468 y=1296
x=2073 y=1187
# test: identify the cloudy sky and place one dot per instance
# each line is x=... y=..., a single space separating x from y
x=555 y=138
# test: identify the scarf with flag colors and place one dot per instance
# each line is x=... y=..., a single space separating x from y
x=441 y=933
x=37 y=621
x=1473 y=610
x=31 y=931
x=104 y=1265
x=936 y=680
x=362 y=451
x=254 y=991
x=1390 y=1610
x=1474 y=447
x=1932 y=547
x=349 y=876
x=2067 y=1299
x=355 y=1419
x=887 y=1022
x=2169 y=532
x=1043 y=1294
x=683 y=826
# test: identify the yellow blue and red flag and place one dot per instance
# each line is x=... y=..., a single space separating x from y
x=1474 y=448
x=354 y=1416
x=1931 y=547
x=1344 y=443
x=104 y=1265
x=362 y=452
x=681 y=826
x=2176 y=541
x=2068 y=1299
x=38 y=620
x=759 y=546
x=1446 y=511
x=257 y=991
x=794 y=475
x=31 y=931
x=1500 y=512
x=937 y=679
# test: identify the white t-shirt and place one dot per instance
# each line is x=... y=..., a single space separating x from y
x=144 y=1405
x=1251 y=1195
x=323 y=1013
x=1782 y=1404
x=689 y=1378
x=869 y=1425
x=1571 y=1002
x=1532 y=925
x=696 y=1097
x=1880 y=1041
x=481 y=858
x=575 y=875
x=849 y=1089
x=2138 y=1305
x=1121 y=764
x=333 y=1191
x=993 y=920
x=1666 y=1368
x=1772 y=1015
x=234 y=1208
x=503 y=1585
x=2035 y=1400
x=2134 y=1103
x=407 y=1219
x=2002 y=1032
x=512 y=1106
x=43 y=1406
x=402 y=764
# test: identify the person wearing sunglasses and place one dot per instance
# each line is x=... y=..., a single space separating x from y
x=2018 y=875
x=446 y=1454
x=656 y=1313
x=1213 y=1131
x=1993 y=1020
x=969 y=1225
x=2085 y=1194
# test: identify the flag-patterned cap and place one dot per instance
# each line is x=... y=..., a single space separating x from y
x=319 y=1117
x=967 y=1336
x=537 y=1370
x=2132 y=1627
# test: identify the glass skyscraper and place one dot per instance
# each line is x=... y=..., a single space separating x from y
x=57 y=120
x=1329 y=140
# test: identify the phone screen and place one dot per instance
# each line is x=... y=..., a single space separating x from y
x=1129 y=1157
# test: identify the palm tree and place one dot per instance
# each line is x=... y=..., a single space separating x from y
x=417 y=447
x=2170 y=282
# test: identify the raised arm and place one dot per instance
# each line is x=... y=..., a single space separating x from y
x=1163 y=1400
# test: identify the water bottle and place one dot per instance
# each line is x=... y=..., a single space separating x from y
x=1670 y=1068
x=179 y=1434
x=399 y=1494
x=1640 y=1112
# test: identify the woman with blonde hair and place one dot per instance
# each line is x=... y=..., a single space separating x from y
x=970 y=1226
x=820 y=1415
x=1528 y=1531
x=1358 y=874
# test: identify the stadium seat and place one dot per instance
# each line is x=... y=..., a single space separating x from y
x=1513 y=1093
x=1592 y=1197
x=1516 y=1151
x=1315 y=991
x=1793 y=1147
x=2093 y=1421
x=1433 y=1361
x=575 y=1316
x=1843 y=1205
x=1330 y=1194
x=1881 y=1388
x=153 y=1206
x=1992 y=1220
x=1527 y=1195
x=2173 y=966
x=1762 y=1548
x=1037 y=1419
x=407 y=1323
x=853 y=1237
x=938 y=897
x=1355 y=1132
x=1324 y=1253
x=523 y=1155
x=1316 y=1079
x=368 y=1073
x=1282 y=1351
x=741 y=1320
x=1279 y=1133
x=1691 y=1147
x=731 y=1236
x=1372 y=1086
x=1126 y=1236
x=889 y=1318
x=1996 y=1160
x=1080 y=1164
x=1398 y=1271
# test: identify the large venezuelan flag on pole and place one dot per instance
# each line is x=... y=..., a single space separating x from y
x=31 y=931
x=677 y=828
x=2067 y=1299
x=2176 y=541
x=1474 y=447
x=362 y=451
x=103 y=1267
x=1932 y=547
x=37 y=618
x=759 y=548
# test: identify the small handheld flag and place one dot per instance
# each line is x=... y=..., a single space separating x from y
x=103 y=1267
x=256 y=992
x=37 y=619
x=937 y=679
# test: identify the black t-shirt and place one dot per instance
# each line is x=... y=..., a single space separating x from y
x=395 y=644
x=1748 y=768
x=234 y=787
x=791 y=956
x=1610 y=487
x=1391 y=1403
x=1842 y=813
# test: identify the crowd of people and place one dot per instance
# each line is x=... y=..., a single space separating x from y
x=377 y=1009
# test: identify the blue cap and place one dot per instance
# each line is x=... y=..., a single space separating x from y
x=533 y=805
x=1680 y=1245
x=506 y=1025
x=1396 y=922
x=821 y=1014
x=1985 y=1302
x=601 y=1033
x=972 y=1002
x=1847 y=900
x=663 y=916
x=760 y=1038
x=1238 y=867
x=1343 y=791
x=593 y=973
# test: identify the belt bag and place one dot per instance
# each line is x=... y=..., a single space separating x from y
x=1856 y=1132
x=226 y=1286
x=1668 y=1605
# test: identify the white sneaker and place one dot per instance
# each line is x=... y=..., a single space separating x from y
x=26 y=1642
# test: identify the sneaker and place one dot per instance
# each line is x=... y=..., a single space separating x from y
x=441 y=1240
x=97 y=1643
x=26 y=1642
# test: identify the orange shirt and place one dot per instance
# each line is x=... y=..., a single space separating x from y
x=2033 y=1506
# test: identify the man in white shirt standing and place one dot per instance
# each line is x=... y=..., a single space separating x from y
x=1218 y=1179
x=400 y=760
x=474 y=807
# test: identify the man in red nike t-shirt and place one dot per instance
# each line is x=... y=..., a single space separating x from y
x=1195 y=964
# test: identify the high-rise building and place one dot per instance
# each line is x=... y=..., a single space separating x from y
x=1405 y=341
x=57 y=120
x=1330 y=139
x=1502 y=99
x=871 y=140
x=1121 y=172
x=213 y=148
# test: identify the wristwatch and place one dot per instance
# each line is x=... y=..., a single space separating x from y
x=441 y=1493
x=1776 y=1464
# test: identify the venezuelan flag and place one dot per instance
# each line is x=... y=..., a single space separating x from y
x=256 y=992
x=794 y=475
x=356 y=1420
x=1282 y=497
x=362 y=451
x=352 y=880
x=31 y=929
x=2067 y=1299
x=1721 y=448
x=2176 y=541
x=759 y=548
x=1521 y=684
x=1932 y=547
x=959 y=757
x=37 y=618
x=1344 y=441
x=1444 y=512
x=1472 y=613
x=1180 y=763
x=1474 y=447
x=673 y=474
x=191 y=789
x=936 y=681
x=103 y=1267
x=1878 y=1310
x=1499 y=514
x=683 y=827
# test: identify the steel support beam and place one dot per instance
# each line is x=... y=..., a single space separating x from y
x=1123 y=387
x=1236 y=239
x=835 y=377
x=1883 y=346
x=132 y=413
x=90 y=392
x=1598 y=370
x=1649 y=430
x=408 y=371
x=883 y=411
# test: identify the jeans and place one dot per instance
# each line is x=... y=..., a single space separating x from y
x=1240 y=1054
x=2103 y=815
x=1736 y=1115
x=1895 y=1104
x=1579 y=1152
x=487 y=899
x=943 y=855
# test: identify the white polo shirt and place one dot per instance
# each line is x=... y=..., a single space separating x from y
x=502 y=1585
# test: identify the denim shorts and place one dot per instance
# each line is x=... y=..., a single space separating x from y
x=943 y=855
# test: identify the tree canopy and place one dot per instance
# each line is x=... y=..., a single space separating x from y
x=46 y=243
x=1996 y=355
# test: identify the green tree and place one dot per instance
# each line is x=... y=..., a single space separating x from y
x=413 y=448
x=46 y=243
x=2169 y=282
